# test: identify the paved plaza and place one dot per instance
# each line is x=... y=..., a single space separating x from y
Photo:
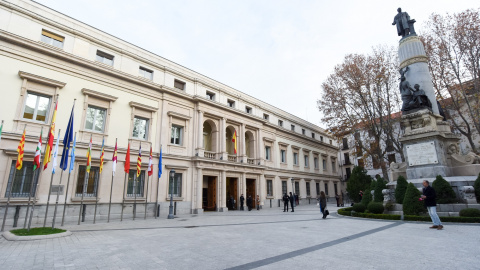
x=265 y=239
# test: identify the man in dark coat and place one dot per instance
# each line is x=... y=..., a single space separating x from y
x=429 y=197
x=291 y=201
x=249 y=202
x=285 y=202
x=242 y=200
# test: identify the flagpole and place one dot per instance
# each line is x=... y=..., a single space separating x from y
x=31 y=189
x=111 y=185
x=34 y=198
x=135 y=194
x=50 y=189
x=158 y=183
x=146 y=199
x=68 y=180
x=10 y=189
x=56 y=201
x=87 y=173
x=126 y=169
x=99 y=179
x=123 y=195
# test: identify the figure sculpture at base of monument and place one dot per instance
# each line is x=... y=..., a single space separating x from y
x=412 y=98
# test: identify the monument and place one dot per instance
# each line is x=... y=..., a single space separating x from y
x=430 y=147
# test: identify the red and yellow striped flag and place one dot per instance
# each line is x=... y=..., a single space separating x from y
x=139 y=161
x=102 y=154
x=89 y=155
x=20 y=149
x=234 y=140
x=51 y=136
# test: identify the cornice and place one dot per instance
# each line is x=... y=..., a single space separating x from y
x=178 y=115
x=97 y=94
x=142 y=106
x=40 y=79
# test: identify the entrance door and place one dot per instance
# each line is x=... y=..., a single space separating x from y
x=210 y=193
x=232 y=191
x=251 y=191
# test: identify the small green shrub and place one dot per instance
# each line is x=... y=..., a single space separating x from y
x=376 y=216
x=37 y=231
x=444 y=191
x=469 y=212
x=411 y=203
x=375 y=208
x=359 y=207
x=476 y=186
x=345 y=211
x=400 y=189
x=381 y=185
x=359 y=179
x=367 y=197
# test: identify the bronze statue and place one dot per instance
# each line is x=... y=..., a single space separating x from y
x=404 y=24
x=412 y=98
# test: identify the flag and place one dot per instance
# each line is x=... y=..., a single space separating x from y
x=114 y=160
x=160 y=164
x=89 y=156
x=67 y=139
x=127 y=160
x=150 y=163
x=72 y=158
x=55 y=154
x=38 y=153
x=20 y=149
x=139 y=161
x=51 y=136
x=101 y=155
x=234 y=140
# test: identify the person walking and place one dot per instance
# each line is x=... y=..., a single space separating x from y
x=338 y=199
x=285 y=202
x=323 y=204
x=242 y=200
x=291 y=201
x=258 y=202
x=429 y=197
x=249 y=202
x=341 y=199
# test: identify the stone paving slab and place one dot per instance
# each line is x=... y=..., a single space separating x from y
x=265 y=239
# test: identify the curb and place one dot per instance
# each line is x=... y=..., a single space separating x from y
x=12 y=237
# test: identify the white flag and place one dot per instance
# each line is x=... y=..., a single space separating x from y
x=55 y=152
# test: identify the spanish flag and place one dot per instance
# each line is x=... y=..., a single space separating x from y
x=234 y=140
x=102 y=153
x=139 y=161
x=51 y=136
x=20 y=149
x=89 y=155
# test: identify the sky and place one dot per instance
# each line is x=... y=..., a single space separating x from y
x=277 y=51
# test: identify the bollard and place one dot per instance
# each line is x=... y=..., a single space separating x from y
x=308 y=200
x=270 y=203
x=175 y=208
x=158 y=210
x=17 y=214
x=83 y=212
x=278 y=202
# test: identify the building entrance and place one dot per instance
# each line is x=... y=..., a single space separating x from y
x=251 y=191
x=232 y=193
x=209 y=198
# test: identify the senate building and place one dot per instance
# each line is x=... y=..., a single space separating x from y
x=219 y=141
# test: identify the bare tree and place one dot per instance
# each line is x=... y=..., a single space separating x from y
x=452 y=43
x=362 y=94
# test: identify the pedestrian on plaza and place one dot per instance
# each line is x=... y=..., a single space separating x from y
x=249 y=202
x=338 y=199
x=323 y=204
x=429 y=197
x=296 y=199
x=242 y=200
x=232 y=202
x=291 y=201
x=285 y=202
x=341 y=198
x=258 y=202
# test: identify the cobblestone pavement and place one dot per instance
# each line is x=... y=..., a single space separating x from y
x=265 y=239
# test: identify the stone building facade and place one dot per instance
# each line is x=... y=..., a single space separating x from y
x=128 y=95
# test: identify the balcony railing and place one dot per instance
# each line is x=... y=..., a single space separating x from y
x=232 y=158
x=210 y=155
x=251 y=161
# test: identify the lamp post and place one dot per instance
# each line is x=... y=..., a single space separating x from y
x=170 y=208
x=293 y=194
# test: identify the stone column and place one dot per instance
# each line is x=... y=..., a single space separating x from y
x=242 y=145
x=200 y=146
x=223 y=147
x=198 y=206
x=260 y=151
x=223 y=188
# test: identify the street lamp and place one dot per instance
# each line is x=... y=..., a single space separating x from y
x=293 y=194
x=170 y=208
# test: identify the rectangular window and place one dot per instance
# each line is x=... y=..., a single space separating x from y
x=313 y=135
x=297 y=188
x=146 y=73
x=330 y=141
x=334 y=169
x=140 y=128
x=303 y=131
x=292 y=127
x=52 y=39
x=36 y=107
x=280 y=123
x=267 y=152
x=315 y=163
x=308 y=188
x=231 y=103
x=175 y=187
x=391 y=158
x=321 y=138
x=210 y=96
x=179 y=84
x=335 y=188
x=135 y=184
x=104 y=58
x=306 y=160
x=295 y=159
x=95 y=118
x=284 y=187
x=326 y=189
x=345 y=143
x=269 y=188
x=266 y=116
x=282 y=156
x=91 y=182
x=23 y=180
x=324 y=164
x=177 y=132
x=248 y=109
x=317 y=187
